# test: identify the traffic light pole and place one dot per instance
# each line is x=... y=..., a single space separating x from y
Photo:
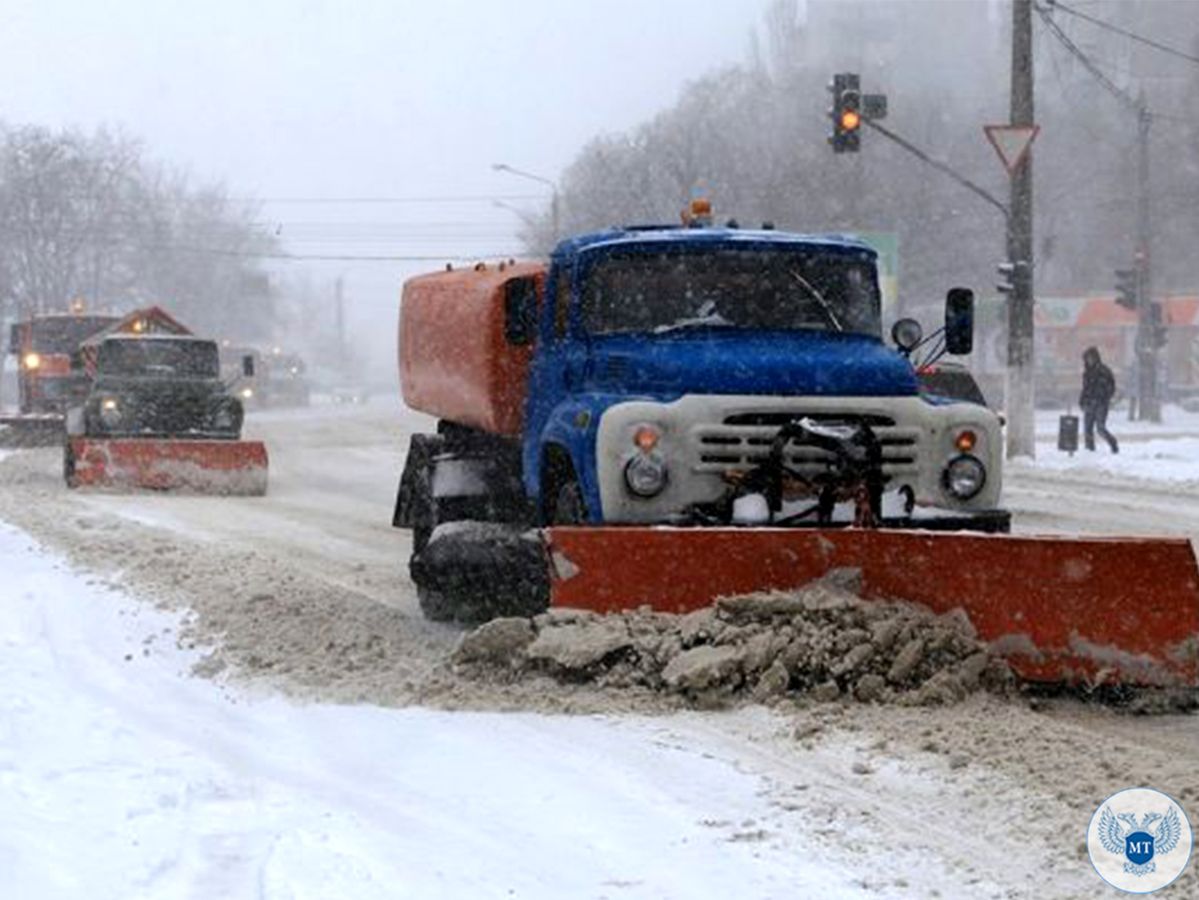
x=1149 y=405
x=1021 y=389
x=940 y=166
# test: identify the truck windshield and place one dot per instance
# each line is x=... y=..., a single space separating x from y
x=779 y=289
x=59 y=334
x=150 y=358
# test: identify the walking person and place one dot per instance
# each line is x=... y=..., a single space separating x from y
x=1098 y=386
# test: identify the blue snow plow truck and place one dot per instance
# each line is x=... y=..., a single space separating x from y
x=686 y=378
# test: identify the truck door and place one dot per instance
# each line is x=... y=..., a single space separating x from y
x=556 y=366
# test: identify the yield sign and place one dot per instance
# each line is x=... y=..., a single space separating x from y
x=1011 y=142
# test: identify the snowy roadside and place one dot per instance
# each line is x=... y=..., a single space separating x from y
x=1167 y=451
x=300 y=591
x=122 y=776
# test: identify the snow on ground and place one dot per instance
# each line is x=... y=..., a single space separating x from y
x=122 y=777
x=1164 y=451
x=127 y=778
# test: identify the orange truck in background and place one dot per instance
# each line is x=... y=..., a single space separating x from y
x=49 y=378
x=43 y=346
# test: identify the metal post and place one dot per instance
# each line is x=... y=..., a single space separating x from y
x=1021 y=388
x=1148 y=402
x=340 y=309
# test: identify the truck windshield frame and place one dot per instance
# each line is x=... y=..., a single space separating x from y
x=159 y=359
x=652 y=290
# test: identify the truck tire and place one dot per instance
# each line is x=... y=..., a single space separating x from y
x=477 y=571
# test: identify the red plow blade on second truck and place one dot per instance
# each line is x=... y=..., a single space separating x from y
x=199 y=466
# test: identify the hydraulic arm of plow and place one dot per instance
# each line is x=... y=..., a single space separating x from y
x=855 y=473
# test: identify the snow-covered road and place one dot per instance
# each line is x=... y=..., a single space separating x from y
x=131 y=778
x=122 y=776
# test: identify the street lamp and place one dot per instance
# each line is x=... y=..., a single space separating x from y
x=553 y=186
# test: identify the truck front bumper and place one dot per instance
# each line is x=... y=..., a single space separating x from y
x=703 y=440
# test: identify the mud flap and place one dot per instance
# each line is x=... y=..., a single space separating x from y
x=197 y=466
x=1072 y=610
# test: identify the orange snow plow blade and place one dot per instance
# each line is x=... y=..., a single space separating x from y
x=1074 y=610
x=199 y=466
x=31 y=430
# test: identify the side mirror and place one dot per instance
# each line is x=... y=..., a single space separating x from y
x=520 y=311
x=247 y=366
x=959 y=321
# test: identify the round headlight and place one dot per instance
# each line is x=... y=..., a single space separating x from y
x=907 y=334
x=110 y=410
x=645 y=474
x=965 y=477
x=31 y=360
x=247 y=393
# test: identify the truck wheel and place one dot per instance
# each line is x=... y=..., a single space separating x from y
x=479 y=571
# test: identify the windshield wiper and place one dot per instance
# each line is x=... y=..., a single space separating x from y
x=825 y=306
x=710 y=320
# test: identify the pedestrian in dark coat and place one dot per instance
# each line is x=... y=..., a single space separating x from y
x=1098 y=386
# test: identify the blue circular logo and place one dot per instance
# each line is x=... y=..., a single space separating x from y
x=1139 y=840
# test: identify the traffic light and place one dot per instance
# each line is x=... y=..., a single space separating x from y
x=846 y=113
x=1011 y=272
x=1128 y=288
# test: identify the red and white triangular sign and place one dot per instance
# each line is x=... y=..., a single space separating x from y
x=1011 y=142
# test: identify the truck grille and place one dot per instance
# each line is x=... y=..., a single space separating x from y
x=743 y=441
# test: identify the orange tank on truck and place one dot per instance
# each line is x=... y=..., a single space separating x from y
x=457 y=359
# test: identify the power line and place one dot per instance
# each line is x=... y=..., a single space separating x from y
x=1128 y=34
x=336 y=257
x=1086 y=61
x=448 y=198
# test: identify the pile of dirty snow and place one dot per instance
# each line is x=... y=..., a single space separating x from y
x=822 y=641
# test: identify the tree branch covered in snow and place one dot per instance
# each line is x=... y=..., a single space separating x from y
x=89 y=217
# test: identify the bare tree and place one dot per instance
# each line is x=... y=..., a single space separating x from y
x=86 y=217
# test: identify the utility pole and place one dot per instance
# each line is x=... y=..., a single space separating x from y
x=1133 y=286
x=1021 y=388
x=340 y=309
x=1148 y=402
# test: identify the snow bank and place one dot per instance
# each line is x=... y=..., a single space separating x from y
x=822 y=640
x=121 y=777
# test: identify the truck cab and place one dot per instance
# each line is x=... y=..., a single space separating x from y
x=158 y=386
x=667 y=360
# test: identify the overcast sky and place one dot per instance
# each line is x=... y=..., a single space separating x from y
x=284 y=97
x=364 y=98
